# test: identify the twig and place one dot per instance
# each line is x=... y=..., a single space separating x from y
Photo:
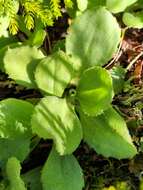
x=118 y=54
x=134 y=61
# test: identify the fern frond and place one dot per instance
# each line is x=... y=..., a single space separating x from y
x=68 y=3
x=56 y=8
x=13 y=26
x=34 y=9
x=29 y=20
x=46 y=17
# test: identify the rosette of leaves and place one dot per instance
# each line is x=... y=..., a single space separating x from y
x=68 y=115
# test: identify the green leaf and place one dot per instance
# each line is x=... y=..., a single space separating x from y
x=134 y=20
x=118 y=75
x=62 y=173
x=54 y=73
x=95 y=91
x=37 y=37
x=55 y=119
x=59 y=45
x=13 y=172
x=5 y=43
x=116 y=6
x=20 y=63
x=15 y=129
x=82 y=4
x=32 y=179
x=4 y=23
x=93 y=38
x=108 y=134
x=94 y=3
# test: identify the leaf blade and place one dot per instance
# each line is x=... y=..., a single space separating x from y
x=108 y=135
x=69 y=173
x=54 y=119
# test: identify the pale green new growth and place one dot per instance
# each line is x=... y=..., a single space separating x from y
x=95 y=91
x=13 y=168
x=54 y=119
x=62 y=173
x=116 y=6
x=134 y=20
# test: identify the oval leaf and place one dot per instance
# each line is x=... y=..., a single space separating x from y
x=15 y=129
x=95 y=91
x=93 y=38
x=62 y=173
x=54 y=73
x=134 y=20
x=54 y=119
x=116 y=6
x=108 y=135
x=20 y=63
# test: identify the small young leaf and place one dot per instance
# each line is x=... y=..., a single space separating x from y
x=13 y=172
x=37 y=38
x=134 y=20
x=116 y=6
x=62 y=173
x=20 y=63
x=108 y=134
x=118 y=75
x=54 y=73
x=82 y=4
x=95 y=91
x=93 y=38
x=55 y=119
x=15 y=129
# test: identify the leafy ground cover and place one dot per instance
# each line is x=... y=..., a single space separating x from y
x=71 y=95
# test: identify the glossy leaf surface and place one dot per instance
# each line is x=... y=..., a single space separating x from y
x=95 y=91
x=54 y=119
